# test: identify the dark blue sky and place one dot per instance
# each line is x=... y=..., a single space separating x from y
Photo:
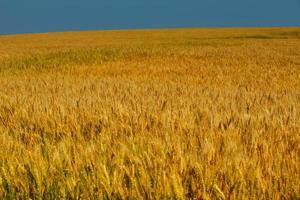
x=27 y=16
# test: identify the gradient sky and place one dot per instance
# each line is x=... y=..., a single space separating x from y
x=28 y=16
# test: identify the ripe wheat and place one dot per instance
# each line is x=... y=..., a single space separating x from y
x=160 y=114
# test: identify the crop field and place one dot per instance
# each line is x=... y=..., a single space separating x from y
x=151 y=114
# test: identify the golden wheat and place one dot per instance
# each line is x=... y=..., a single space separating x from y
x=160 y=114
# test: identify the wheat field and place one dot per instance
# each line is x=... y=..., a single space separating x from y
x=151 y=114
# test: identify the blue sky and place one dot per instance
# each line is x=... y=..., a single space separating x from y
x=28 y=16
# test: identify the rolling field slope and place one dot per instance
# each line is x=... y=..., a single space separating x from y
x=152 y=114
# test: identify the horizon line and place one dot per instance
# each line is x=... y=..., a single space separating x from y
x=145 y=29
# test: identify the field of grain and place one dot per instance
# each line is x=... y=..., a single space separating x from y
x=152 y=114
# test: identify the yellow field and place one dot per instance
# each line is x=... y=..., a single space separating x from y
x=153 y=114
